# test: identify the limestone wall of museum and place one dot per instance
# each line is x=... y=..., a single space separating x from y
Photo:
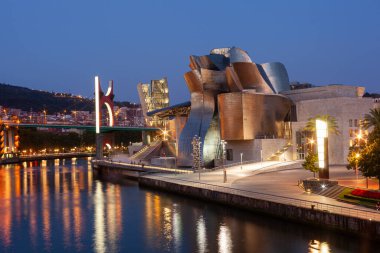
x=347 y=111
x=330 y=91
x=251 y=150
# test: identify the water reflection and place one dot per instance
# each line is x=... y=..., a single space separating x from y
x=224 y=239
x=41 y=197
x=201 y=235
x=316 y=246
x=57 y=206
x=99 y=238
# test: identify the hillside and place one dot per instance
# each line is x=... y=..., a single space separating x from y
x=27 y=99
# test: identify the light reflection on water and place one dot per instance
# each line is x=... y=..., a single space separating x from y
x=57 y=206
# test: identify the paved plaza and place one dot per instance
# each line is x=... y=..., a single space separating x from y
x=274 y=178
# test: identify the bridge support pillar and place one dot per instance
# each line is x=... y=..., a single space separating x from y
x=99 y=146
x=145 y=138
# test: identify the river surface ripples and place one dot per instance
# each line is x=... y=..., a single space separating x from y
x=59 y=206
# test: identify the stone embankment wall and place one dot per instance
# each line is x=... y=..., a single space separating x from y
x=361 y=227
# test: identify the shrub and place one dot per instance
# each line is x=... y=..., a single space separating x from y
x=366 y=194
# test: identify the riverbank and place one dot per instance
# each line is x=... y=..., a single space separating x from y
x=45 y=157
x=308 y=209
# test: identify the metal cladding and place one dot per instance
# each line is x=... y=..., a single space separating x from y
x=232 y=98
x=250 y=77
x=247 y=116
x=238 y=55
x=277 y=76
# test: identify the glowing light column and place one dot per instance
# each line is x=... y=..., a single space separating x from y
x=322 y=147
x=99 y=139
x=97 y=105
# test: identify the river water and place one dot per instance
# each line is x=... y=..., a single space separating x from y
x=59 y=206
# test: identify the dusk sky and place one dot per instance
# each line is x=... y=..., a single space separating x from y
x=61 y=45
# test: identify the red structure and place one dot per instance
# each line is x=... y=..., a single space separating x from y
x=103 y=99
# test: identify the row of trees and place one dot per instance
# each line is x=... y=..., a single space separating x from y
x=364 y=153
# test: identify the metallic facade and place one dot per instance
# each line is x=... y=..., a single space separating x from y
x=277 y=76
x=248 y=116
x=232 y=98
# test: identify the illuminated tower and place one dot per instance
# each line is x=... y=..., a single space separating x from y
x=154 y=96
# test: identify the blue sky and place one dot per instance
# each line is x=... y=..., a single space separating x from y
x=61 y=45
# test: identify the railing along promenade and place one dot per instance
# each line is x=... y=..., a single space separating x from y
x=360 y=213
x=139 y=167
x=336 y=209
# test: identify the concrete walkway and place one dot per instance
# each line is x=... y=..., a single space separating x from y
x=273 y=180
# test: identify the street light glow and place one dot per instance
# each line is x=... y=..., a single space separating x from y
x=321 y=127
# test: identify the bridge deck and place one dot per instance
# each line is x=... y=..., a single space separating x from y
x=85 y=127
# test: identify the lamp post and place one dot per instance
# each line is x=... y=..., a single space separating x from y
x=45 y=121
x=241 y=161
x=311 y=142
x=223 y=144
x=357 y=156
x=359 y=138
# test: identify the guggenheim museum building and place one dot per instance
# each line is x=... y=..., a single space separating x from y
x=242 y=110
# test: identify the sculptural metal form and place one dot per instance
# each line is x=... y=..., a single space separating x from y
x=100 y=100
x=232 y=98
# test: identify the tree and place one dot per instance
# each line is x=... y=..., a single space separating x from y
x=311 y=162
x=331 y=123
x=354 y=153
x=369 y=160
x=366 y=155
x=372 y=119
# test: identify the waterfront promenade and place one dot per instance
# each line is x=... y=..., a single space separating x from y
x=275 y=181
x=271 y=181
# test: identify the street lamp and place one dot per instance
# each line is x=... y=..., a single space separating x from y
x=311 y=142
x=45 y=121
x=241 y=161
x=223 y=144
x=357 y=156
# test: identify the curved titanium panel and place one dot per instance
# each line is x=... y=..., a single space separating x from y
x=277 y=75
x=197 y=62
x=211 y=142
x=214 y=80
x=219 y=60
x=233 y=81
x=193 y=81
x=201 y=115
x=246 y=116
x=238 y=55
x=250 y=77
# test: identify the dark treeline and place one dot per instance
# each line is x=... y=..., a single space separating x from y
x=34 y=100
